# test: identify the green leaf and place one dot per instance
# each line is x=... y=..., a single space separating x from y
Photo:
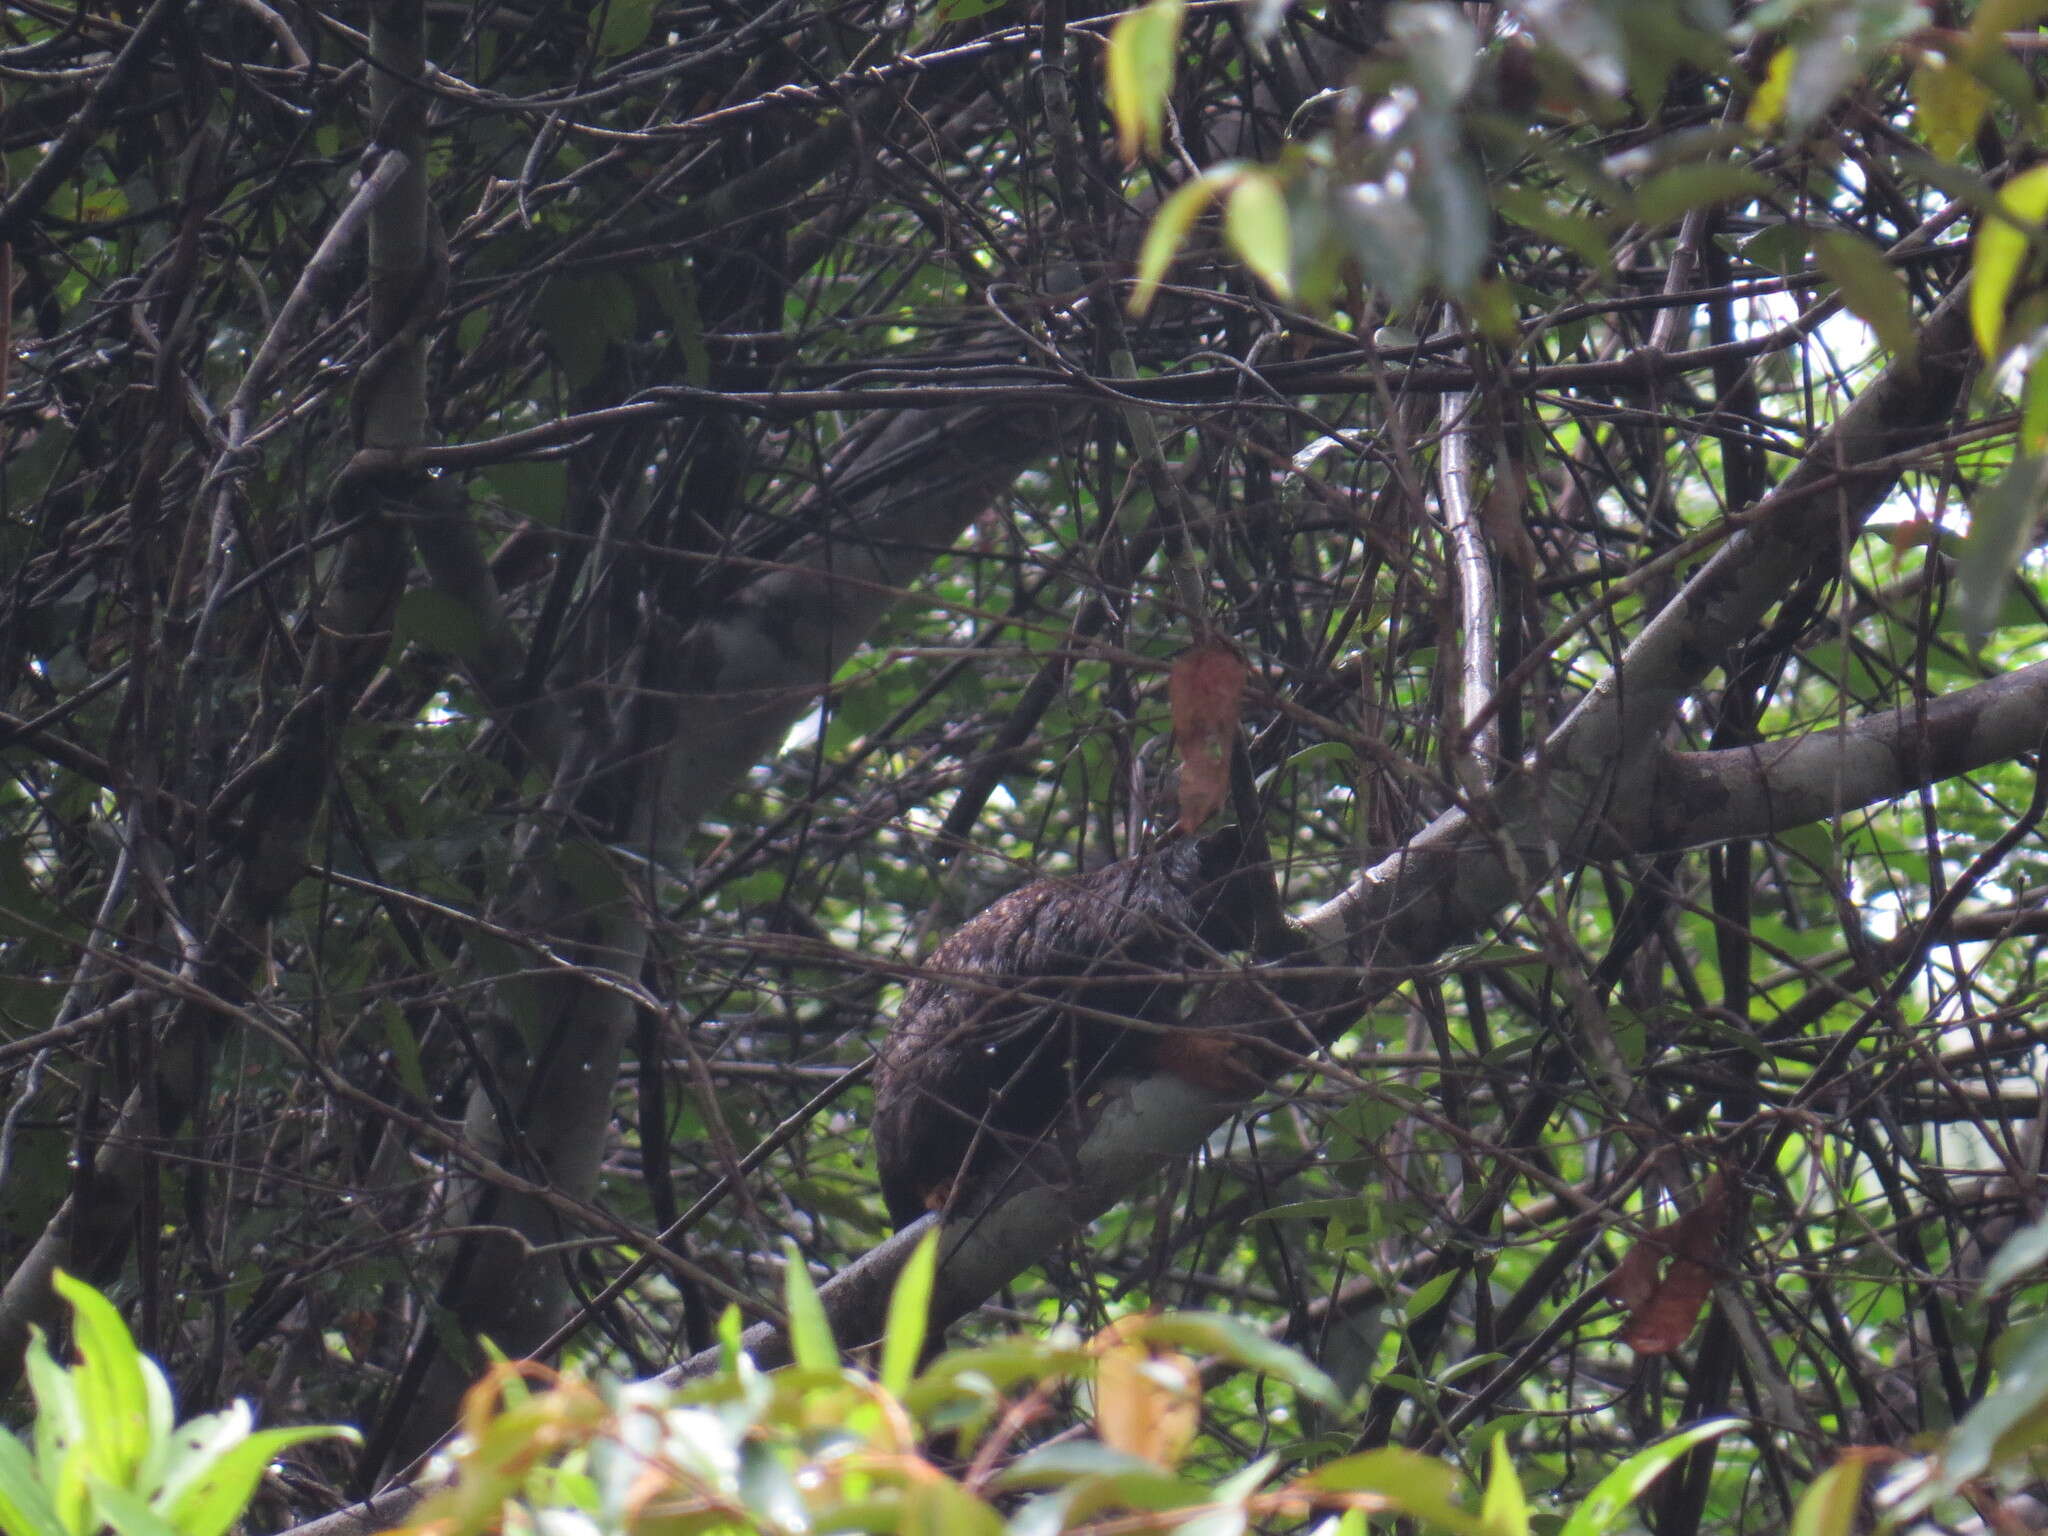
x=622 y=25
x=2009 y=1423
x=535 y=488
x=1683 y=188
x=1142 y=48
x=2002 y=517
x=113 y=1399
x=2034 y=409
x=217 y=1494
x=1418 y=1485
x=2002 y=247
x=438 y=622
x=582 y=317
x=59 y=1434
x=127 y=1512
x=1779 y=248
x=1170 y=226
x=1614 y=1493
x=1870 y=287
x=966 y=10
x=1767 y=106
x=1504 y=1508
x=2024 y=1252
x=810 y=1331
x=1828 y=1508
x=1212 y=1333
x=25 y=1507
x=1428 y=1294
x=1255 y=224
x=910 y=1305
x=1949 y=103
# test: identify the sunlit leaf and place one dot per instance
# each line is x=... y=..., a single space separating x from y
x=2003 y=244
x=1139 y=67
x=1767 y=106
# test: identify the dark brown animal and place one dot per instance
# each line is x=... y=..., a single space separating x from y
x=1017 y=1021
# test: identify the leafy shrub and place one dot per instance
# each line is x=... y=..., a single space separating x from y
x=107 y=1454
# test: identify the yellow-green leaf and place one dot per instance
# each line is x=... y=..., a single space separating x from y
x=910 y=1305
x=1870 y=287
x=1255 y=224
x=1170 y=226
x=2002 y=246
x=1828 y=1508
x=1768 y=104
x=810 y=1331
x=1142 y=47
x=1504 y=1507
x=1948 y=104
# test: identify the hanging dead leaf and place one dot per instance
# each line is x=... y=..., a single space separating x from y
x=1148 y=1402
x=1206 y=690
x=1663 y=1310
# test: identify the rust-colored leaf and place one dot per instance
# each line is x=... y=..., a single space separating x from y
x=1634 y=1280
x=1667 y=1319
x=1206 y=690
x=1664 y=1310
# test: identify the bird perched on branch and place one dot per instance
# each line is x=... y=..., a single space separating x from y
x=1019 y=1018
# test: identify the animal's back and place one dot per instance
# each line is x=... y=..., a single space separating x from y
x=1006 y=1031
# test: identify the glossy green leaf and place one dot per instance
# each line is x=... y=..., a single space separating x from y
x=1428 y=1294
x=1605 y=1507
x=127 y=1511
x=535 y=488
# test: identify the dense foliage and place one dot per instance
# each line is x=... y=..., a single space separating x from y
x=554 y=548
